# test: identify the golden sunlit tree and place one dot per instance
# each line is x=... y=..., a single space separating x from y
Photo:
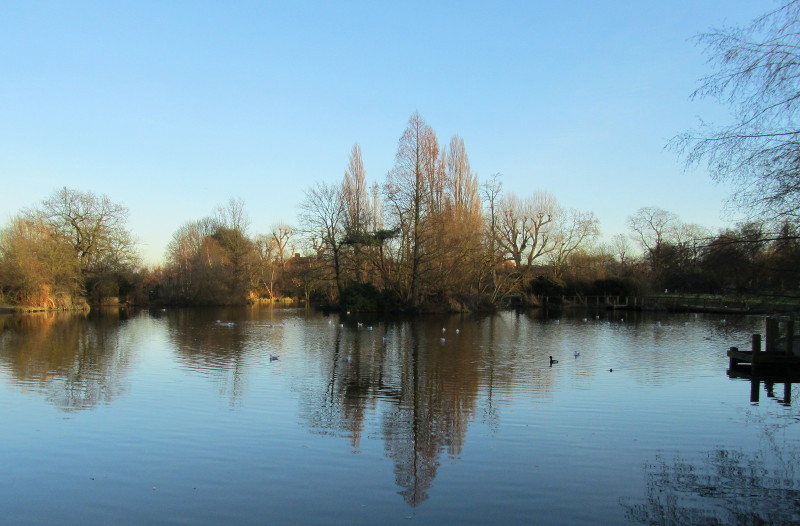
x=36 y=268
x=358 y=219
x=212 y=261
x=72 y=229
x=412 y=192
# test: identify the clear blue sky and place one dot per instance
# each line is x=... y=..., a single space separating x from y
x=171 y=108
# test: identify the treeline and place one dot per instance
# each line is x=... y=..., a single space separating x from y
x=429 y=237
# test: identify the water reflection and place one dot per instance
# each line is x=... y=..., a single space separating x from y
x=725 y=486
x=421 y=395
x=75 y=359
x=423 y=380
x=223 y=343
x=412 y=389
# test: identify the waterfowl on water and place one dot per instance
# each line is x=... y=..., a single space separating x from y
x=272 y=357
x=577 y=354
x=553 y=361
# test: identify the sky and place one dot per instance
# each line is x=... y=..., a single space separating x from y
x=172 y=108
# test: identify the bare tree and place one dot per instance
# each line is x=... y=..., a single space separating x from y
x=524 y=230
x=210 y=262
x=656 y=231
x=410 y=190
x=234 y=215
x=621 y=248
x=462 y=182
x=491 y=191
x=756 y=72
x=96 y=230
x=458 y=236
x=281 y=235
x=574 y=230
x=322 y=216
x=651 y=227
x=355 y=194
x=36 y=268
x=359 y=215
x=94 y=226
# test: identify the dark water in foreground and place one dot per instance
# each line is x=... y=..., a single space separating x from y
x=169 y=417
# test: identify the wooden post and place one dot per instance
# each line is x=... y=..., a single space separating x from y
x=790 y=337
x=755 y=387
x=787 y=393
x=772 y=329
x=756 y=351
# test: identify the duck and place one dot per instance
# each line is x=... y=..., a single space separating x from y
x=272 y=357
x=577 y=354
x=553 y=361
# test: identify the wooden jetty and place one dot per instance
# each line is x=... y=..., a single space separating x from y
x=781 y=352
x=779 y=362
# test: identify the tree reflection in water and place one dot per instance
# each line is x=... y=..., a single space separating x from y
x=424 y=395
x=725 y=486
x=77 y=362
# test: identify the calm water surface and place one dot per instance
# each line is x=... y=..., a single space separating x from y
x=283 y=416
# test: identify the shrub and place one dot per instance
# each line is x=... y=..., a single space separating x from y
x=617 y=287
x=547 y=286
x=361 y=297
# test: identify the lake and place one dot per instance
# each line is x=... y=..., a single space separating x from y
x=267 y=415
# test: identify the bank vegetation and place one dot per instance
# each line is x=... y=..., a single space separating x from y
x=429 y=238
